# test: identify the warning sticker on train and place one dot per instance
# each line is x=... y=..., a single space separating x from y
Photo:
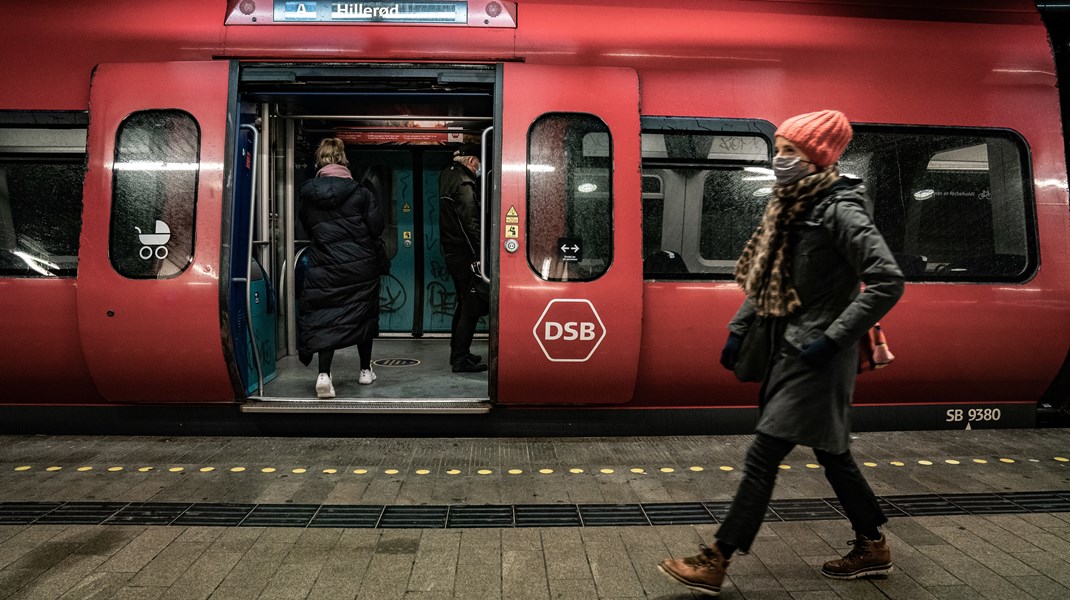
x=569 y=330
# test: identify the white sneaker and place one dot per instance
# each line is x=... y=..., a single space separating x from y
x=367 y=376
x=324 y=387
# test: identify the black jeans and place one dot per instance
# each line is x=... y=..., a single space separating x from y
x=364 y=349
x=759 y=475
x=467 y=312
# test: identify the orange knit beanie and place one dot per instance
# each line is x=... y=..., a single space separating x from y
x=821 y=135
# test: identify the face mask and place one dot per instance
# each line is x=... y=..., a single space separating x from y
x=789 y=169
x=479 y=170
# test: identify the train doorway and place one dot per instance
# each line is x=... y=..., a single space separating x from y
x=400 y=126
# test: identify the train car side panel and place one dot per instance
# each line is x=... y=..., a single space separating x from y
x=41 y=354
x=571 y=290
x=149 y=260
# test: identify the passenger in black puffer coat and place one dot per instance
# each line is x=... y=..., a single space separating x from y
x=339 y=303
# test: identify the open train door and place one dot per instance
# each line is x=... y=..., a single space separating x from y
x=570 y=288
x=149 y=261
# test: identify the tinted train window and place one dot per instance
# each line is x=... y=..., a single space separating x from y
x=710 y=194
x=953 y=205
x=41 y=176
x=157 y=160
x=570 y=200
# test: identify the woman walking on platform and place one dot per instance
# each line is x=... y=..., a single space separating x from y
x=801 y=271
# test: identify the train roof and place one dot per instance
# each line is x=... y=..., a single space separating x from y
x=51 y=48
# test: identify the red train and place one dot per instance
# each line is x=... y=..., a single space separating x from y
x=149 y=153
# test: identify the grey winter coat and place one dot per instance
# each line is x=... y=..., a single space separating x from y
x=833 y=253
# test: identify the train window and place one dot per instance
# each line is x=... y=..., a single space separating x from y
x=954 y=205
x=570 y=206
x=732 y=205
x=653 y=212
x=41 y=176
x=157 y=160
x=712 y=188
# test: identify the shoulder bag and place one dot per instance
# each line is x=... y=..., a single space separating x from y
x=873 y=351
x=756 y=351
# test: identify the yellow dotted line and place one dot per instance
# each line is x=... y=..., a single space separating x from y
x=542 y=471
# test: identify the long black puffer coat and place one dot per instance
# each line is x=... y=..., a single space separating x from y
x=339 y=302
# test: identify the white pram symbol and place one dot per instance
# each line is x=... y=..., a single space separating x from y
x=158 y=239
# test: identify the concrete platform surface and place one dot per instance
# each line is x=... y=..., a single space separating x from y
x=978 y=514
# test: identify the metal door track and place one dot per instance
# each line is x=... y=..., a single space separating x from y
x=359 y=405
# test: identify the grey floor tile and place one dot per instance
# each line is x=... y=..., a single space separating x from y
x=902 y=587
x=60 y=578
x=572 y=589
x=436 y=561
x=139 y=593
x=952 y=592
x=1041 y=587
x=291 y=580
x=167 y=566
x=524 y=575
x=479 y=563
x=388 y=572
x=613 y=572
x=566 y=557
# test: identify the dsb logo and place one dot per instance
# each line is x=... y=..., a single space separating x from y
x=569 y=330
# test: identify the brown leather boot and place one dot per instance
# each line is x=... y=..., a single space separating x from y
x=703 y=573
x=867 y=559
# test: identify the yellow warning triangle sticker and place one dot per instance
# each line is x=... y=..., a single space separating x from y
x=512 y=212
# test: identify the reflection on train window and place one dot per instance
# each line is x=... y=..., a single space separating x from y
x=41 y=176
x=653 y=212
x=157 y=161
x=570 y=207
x=952 y=204
x=380 y=179
x=703 y=194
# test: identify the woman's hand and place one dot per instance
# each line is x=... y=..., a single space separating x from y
x=730 y=353
x=819 y=352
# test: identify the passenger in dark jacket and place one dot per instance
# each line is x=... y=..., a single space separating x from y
x=459 y=230
x=801 y=271
x=339 y=303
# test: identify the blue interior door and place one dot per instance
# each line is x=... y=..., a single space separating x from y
x=417 y=297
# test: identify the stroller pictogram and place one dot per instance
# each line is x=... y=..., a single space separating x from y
x=158 y=239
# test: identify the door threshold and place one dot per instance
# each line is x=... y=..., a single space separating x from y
x=363 y=405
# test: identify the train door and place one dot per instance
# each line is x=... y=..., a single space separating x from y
x=570 y=220
x=400 y=127
x=150 y=254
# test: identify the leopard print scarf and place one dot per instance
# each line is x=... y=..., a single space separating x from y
x=764 y=267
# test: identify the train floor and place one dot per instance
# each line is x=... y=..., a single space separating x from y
x=405 y=368
x=973 y=514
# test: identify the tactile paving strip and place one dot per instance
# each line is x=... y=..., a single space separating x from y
x=520 y=515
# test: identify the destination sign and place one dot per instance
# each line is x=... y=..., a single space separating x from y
x=442 y=13
x=432 y=13
x=289 y=11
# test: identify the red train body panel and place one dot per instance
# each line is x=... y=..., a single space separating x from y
x=976 y=66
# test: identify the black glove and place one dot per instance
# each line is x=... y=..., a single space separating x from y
x=819 y=352
x=730 y=353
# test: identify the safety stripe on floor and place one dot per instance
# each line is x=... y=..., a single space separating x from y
x=507 y=516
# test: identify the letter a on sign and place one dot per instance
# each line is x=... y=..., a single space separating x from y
x=569 y=330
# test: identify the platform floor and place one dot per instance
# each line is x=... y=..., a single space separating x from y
x=979 y=514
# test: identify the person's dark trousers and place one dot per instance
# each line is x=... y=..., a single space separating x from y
x=466 y=314
x=760 y=469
